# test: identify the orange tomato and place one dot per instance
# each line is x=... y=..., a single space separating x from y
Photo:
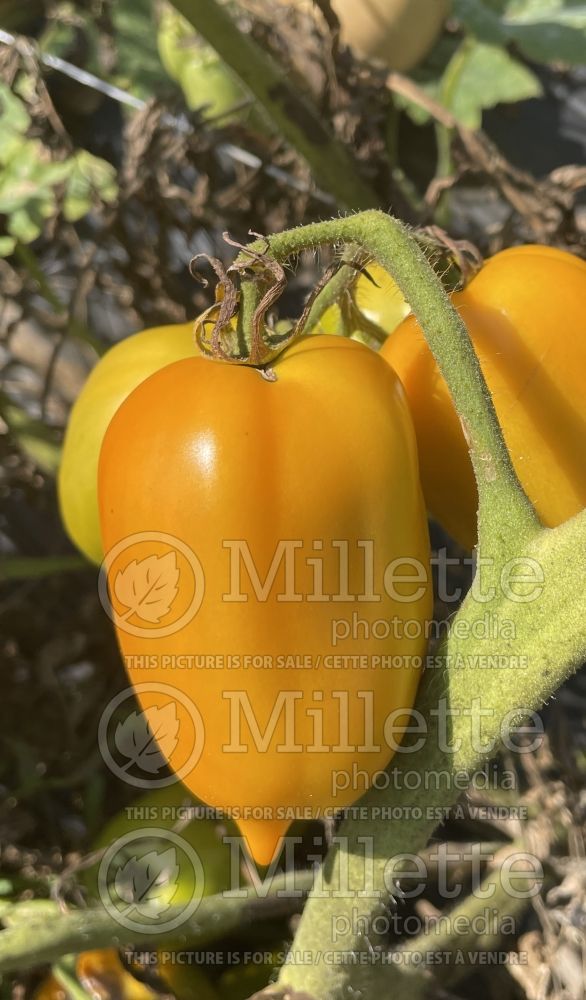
x=526 y=315
x=314 y=474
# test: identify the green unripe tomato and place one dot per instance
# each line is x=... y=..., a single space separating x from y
x=203 y=835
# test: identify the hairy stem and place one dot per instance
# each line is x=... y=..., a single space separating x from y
x=464 y=711
x=505 y=511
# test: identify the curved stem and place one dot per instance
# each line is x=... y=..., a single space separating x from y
x=336 y=947
x=505 y=511
x=461 y=710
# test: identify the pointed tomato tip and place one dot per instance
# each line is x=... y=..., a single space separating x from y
x=263 y=838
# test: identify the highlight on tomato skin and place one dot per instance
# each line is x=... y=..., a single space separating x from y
x=534 y=371
x=216 y=457
x=125 y=365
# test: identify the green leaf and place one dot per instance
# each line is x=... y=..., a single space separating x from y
x=77 y=202
x=26 y=224
x=547 y=31
x=483 y=77
x=480 y=20
x=90 y=177
x=11 y=144
x=53 y=173
x=14 y=123
x=29 y=177
x=12 y=111
x=139 y=67
x=204 y=78
x=534 y=10
x=551 y=42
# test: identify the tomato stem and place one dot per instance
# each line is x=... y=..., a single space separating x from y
x=57 y=932
x=548 y=644
x=505 y=512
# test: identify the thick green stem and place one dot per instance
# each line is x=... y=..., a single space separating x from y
x=505 y=511
x=456 y=934
x=291 y=112
x=477 y=681
x=472 y=694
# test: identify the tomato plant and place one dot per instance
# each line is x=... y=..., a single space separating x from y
x=116 y=374
x=524 y=312
x=323 y=459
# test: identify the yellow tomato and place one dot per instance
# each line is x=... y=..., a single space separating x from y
x=101 y=973
x=377 y=297
x=116 y=374
x=380 y=299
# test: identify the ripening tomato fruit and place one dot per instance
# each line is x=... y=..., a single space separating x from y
x=377 y=297
x=398 y=32
x=161 y=810
x=146 y=822
x=298 y=503
x=526 y=315
x=116 y=374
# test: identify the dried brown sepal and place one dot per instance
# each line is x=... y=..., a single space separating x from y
x=459 y=256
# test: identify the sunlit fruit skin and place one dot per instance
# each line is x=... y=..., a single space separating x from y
x=116 y=374
x=526 y=315
x=398 y=32
x=209 y=452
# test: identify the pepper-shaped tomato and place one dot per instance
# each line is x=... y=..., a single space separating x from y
x=116 y=374
x=526 y=315
x=267 y=555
